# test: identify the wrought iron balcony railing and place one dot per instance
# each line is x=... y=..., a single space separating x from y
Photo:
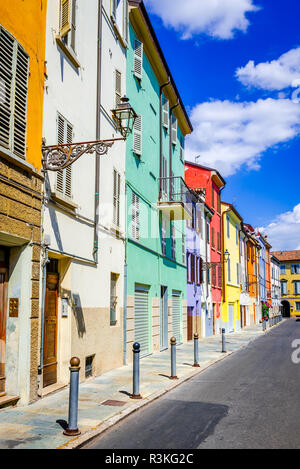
x=176 y=198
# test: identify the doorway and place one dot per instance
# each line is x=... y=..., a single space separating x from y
x=286 y=309
x=163 y=318
x=50 y=328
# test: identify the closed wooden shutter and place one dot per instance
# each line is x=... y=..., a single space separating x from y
x=65 y=17
x=137 y=136
x=14 y=72
x=64 y=177
x=219 y=276
x=116 y=198
x=118 y=86
x=165 y=112
x=174 y=130
x=141 y=319
x=138 y=59
x=177 y=317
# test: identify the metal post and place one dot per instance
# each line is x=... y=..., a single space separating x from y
x=173 y=358
x=223 y=341
x=264 y=326
x=136 y=371
x=196 y=351
x=72 y=429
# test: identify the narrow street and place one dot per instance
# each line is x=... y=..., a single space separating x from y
x=250 y=400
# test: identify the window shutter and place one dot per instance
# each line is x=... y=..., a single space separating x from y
x=14 y=72
x=192 y=268
x=64 y=177
x=214 y=275
x=137 y=136
x=116 y=198
x=65 y=17
x=201 y=270
x=118 y=86
x=174 y=130
x=135 y=216
x=212 y=237
x=219 y=276
x=138 y=59
x=165 y=112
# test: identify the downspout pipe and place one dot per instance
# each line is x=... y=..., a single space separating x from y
x=41 y=366
x=98 y=118
x=161 y=130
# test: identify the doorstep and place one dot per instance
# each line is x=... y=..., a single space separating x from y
x=53 y=388
x=8 y=401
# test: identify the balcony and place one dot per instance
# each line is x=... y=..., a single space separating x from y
x=175 y=198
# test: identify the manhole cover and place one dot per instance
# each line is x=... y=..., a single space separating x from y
x=114 y=403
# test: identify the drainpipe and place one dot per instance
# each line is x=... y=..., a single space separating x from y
x=161 y=129
x=98 y=117
x=170 y=119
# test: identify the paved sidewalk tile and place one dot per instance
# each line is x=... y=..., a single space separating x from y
x=40 y=424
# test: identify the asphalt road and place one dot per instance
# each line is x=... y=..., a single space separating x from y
x=250 y=400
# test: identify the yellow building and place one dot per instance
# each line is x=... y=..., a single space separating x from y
x=231 y=225
x=22 y=70
x=290 y=281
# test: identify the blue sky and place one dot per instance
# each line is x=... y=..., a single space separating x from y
x=245 y=115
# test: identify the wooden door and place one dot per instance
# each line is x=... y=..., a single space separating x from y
x=50 y=334
x=3 y=313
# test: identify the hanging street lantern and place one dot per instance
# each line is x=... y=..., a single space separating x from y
x=124 y=116
x=226 y=255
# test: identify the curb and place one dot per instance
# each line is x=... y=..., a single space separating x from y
x=78 y=442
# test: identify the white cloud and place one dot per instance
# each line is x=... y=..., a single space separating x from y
x=275 y=75
x=229 y=135
x=284 y=231
x=217 y=18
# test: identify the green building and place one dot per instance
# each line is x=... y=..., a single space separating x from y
x=156 y=196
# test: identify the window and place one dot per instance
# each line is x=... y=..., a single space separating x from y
x=198 y=220
x=213 y=238
x=283 y=288
x=118 y=87
x=164 y=181
x=138 y=59
x=164 y=237
x=297 y=305
x=68 y=23
x=174 y=130
x=64 y=176
x=119 y=13
x=14 y=72
x=297 y=288
x=113 y=299
x=189 y=270
x=173 y=242
x=295 y=268
x=116 y=198
x=182 y=148
x=229 y=270
x=192 y=278
x=208 y=232
x=228 y=226
x=135 y=216
x=137 y=136
x=214 y=275
x=89 y=362
x=283 y=269
x=165 y=112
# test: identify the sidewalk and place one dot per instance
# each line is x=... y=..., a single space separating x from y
x=38 y=426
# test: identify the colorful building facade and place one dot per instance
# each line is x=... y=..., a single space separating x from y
x=231 y=225
x=253 y=273
x=156 y=195
x=199 y=177
x=290 y=282
x=22 y=70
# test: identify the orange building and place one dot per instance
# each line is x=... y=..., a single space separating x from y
x=22 y=69
x=252 y=272
x=268 y=271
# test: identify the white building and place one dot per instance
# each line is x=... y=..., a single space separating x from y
x=84 y=213
x=275 y=286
